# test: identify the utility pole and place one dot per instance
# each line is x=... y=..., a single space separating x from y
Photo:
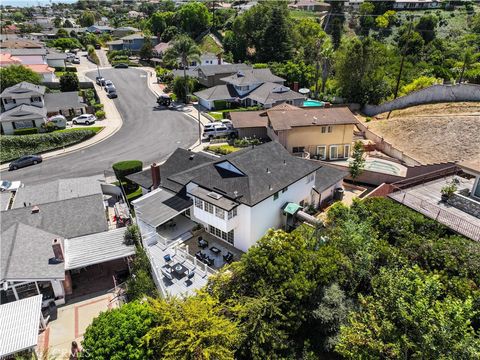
x=404 y=51
x=199 y=125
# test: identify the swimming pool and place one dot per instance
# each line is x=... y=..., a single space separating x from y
x=313 y=103
x=382 y=167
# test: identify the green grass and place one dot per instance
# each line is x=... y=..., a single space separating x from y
x=207 y=44
x=220 y=114
x=97 y=129
x=222 y=149
x=216 y=115
x=134 y=194
x=301 y=14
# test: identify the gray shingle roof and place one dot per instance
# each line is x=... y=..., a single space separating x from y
x=24 y=89
x=327 y=176
x=53 y=55
x=159 y=206
x=270 y=93
x=57 y=190
x=25 y=254
x=219 y=92
x=25 y=52
x=266 y=169
x=252 y=76
x=23 y=112
x=210 y=70
x=65 y=100
x=96 y=248
x=67 y=218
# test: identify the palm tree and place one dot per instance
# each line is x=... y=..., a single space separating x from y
x=184 y=50
x=326 y=55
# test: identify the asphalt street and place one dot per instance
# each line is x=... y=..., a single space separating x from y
x=147 y=134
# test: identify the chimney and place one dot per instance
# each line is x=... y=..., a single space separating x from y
x=35 y=209
x=219 y=58
x=57 y=250
x=295 y=86
x=155 y=171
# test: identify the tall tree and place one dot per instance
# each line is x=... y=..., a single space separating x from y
x=193 y=18
x=15 y=74
x=87 y=19
x=146 y=52
x=277 y=42
x=183 y=49
x=357 y=164
x=69 y=82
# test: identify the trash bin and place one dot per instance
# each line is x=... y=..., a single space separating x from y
x=338 y=194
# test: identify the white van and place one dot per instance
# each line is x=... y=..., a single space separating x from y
x=217 y=131
x=59 y=120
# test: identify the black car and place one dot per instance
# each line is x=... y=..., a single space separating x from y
x=121 y=66
x=112 y=94
x=25 y=161
x=97 y=46
x=100 y=80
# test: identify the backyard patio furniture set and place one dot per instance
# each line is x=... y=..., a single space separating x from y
x=177 y=271
x=203 y=244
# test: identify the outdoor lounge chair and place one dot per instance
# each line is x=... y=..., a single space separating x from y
x=202 y=243
x=167 y=258
x=228 y=258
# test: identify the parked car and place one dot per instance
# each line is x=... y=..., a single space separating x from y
x=217 y=131
x=112 y=93
x=60 y=121
x=86 y=119
x=100 y=80
x=228 y=123
x=25 y=161
x=212 y=125
x=97 y=46
x=121 y=66
x=164 y=100
x=108 y=83
x=6 y=185
x=76 y=60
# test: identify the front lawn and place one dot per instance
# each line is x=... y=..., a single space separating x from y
x=15 y=146
x=222 y=149
x=220 y=114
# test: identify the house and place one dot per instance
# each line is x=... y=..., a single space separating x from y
x=309 y=5
x=124 y=31
x=56 y=59
x=28 y=56
x=250 y=87
x=27 y=105
x=131 y=43
x=160 y=48
x=52 y=231
x=235 y=199
x=208 y=59
x=8 y=59
x=416 y=4
x=210 y=76
x=99 y=29
x=324 y=133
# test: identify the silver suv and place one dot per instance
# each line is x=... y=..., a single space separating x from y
x=217 y=131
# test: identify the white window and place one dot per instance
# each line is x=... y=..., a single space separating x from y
x=326 y=129
x=232 y=213
x=208 y=207
x=346 y=151
x=333 y=152
x=230 y=236
x=310 y=178
x=322 y=152
x=199 y=203
x=330 y=128
x=220 y=213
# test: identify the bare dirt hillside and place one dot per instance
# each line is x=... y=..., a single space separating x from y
x=433 y=133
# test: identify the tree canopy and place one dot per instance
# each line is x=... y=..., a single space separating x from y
x=14 y=74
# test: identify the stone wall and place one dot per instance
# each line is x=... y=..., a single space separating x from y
x=466 y=204
x=432 y=94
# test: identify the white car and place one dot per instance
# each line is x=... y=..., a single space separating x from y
x=6 y=185
x=86 y=119
x=108 y=84
x=217 y=131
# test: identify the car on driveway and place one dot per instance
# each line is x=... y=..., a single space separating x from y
x=6 y=185
x=86 y=119
x=217 y=131
x=25 y=161
x=121 y=66
x=76 y=60
x=100 y=80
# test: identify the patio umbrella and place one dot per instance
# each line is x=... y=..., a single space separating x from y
x=304 y=91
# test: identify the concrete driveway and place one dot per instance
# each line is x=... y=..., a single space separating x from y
x=147 y=134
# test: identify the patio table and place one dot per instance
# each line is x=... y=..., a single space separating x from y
x=179 y=269
x=215 y=250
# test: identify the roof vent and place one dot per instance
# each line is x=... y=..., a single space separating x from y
x=270 y=187
x=268 y=171
x=235 y=193
x=35 y=209
x=240 y=74
x=314 y=121
x=191 y=157
x=284 y=162
x=214 y=195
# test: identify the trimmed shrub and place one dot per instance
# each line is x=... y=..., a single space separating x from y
x=98 y=106
x=25 y=131
x=15 y=146
x=66 y=69
x=124 y=168
x=220 y=104
x=100 y=114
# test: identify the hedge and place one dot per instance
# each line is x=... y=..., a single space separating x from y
x=25 y=131
x=124 y=168
x=15 y=146
x=220 y=104
x=100 y=114
x=66 y=68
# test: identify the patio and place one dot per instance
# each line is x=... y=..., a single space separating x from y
x=176 y=229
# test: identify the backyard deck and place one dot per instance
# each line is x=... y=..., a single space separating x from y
x=426 y=199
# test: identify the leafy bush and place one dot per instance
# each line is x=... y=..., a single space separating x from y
x=179 y=86
x=15 y=146
x=131 y=235
x=66 y=69
x=49 y=126
x=220 y=104
x=98 y=106
x=245 y=142
x=25 y=131
x=140 y=283
x=222 y=149
x=124 y=168
x=69 y=82
x=418 y=84
x=100 y=114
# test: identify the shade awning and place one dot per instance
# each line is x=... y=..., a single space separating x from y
x=159 y=206
x=96 y=248
x=19 y=325
x=291 y=208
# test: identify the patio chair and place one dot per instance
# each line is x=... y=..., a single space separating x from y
x=228 y=258
x=167 y=258
x=202 y=243
x=167 y=275
x=190 y=275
